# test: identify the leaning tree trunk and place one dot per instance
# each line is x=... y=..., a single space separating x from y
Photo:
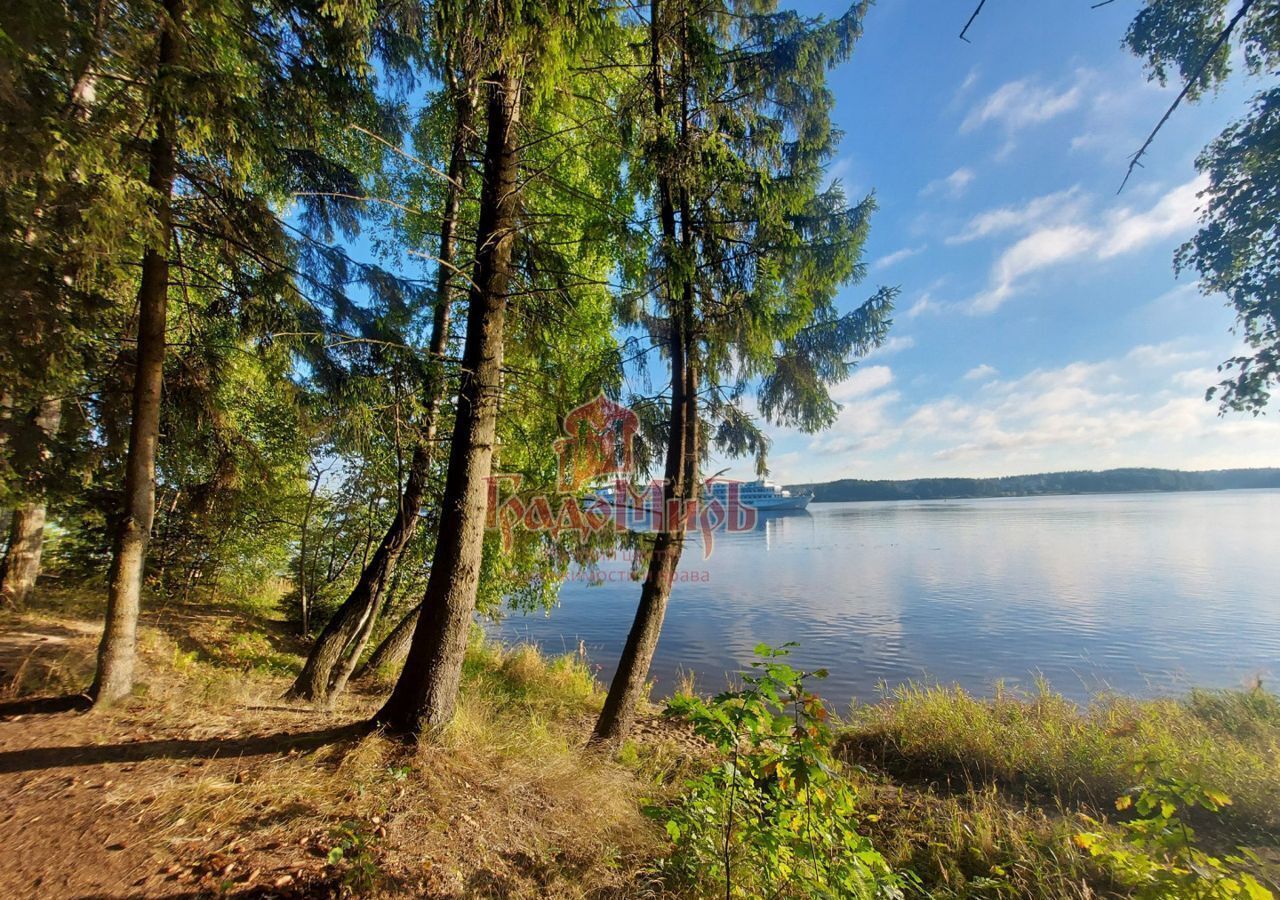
x=679 y=493
x=362 y=603
x=325 y=672
x=342 y=671
x=114 y=679
x=21 y=565
x=394 y=647
x=427 y=691
x=681 y=469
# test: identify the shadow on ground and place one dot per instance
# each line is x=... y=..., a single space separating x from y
x=37 y=758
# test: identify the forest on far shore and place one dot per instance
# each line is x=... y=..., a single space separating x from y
x=1109 y=481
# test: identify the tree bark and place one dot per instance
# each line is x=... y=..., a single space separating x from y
x=679 y=493
x=426 y=693
x=22 y=556
x=318 y=681
x=116 y=653
x=342 y=671
x=342 y=629
x=21 y=565
x=680 y=487
x=394 y=647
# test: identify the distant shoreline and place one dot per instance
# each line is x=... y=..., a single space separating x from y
x=1048 y=484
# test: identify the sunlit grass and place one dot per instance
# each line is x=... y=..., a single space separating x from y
x=1049 y=748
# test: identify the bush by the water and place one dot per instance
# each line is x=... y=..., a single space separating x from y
x=772 y=817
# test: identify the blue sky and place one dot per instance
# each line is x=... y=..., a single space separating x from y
x=1040 y=325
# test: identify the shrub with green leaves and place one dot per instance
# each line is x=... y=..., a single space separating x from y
x=353 y=850
x=1155 y=852
x=774 y=818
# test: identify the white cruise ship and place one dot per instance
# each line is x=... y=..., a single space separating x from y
x=761 y=495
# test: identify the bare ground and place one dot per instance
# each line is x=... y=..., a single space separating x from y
x=207 y=784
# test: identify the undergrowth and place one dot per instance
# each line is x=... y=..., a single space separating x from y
x=932 y=792
x=1048 y=748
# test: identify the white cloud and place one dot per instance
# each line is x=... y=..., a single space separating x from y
x=864 y=380
x=925 y=303
x=1174 y=214
x=897 y=256
x=953 y=186
x=1142 y=407
x=1061 y=206
x=1054 y=241
x=1019 y=104
x=1166 y=355
x=1040 y=249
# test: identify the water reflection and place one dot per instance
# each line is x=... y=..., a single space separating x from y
x=1141 y=593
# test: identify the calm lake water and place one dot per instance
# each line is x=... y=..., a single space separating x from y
x=1140 y=593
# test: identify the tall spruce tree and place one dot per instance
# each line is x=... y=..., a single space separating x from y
x=750 y=252
x=114 y=678
x=454 y=51
x=529 y=44
x=240 y=106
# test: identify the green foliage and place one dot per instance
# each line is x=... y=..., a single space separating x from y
x=756 y=242
x=353 y=848
x=774 y=817
x=1156 y=854
x=1236 y=249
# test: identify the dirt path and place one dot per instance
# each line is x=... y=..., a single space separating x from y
x=78 y=791
x=209 y=785
x=61 y=826
x=76 y=817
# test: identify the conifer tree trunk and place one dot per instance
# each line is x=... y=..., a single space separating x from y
x=680 y=487
x=116 y=653
x=21 y=565
x=22 y=556
x=341 y=637
x=679 y=493
x=394 y=647
x=426 y=692
x=342 y=671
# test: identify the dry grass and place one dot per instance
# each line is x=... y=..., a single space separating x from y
x=230 y=789
x=978 y=843
x=507 y=801
x=981 y=797
x=1047 y=748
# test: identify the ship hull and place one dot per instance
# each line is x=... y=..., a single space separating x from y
x=783 y=504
